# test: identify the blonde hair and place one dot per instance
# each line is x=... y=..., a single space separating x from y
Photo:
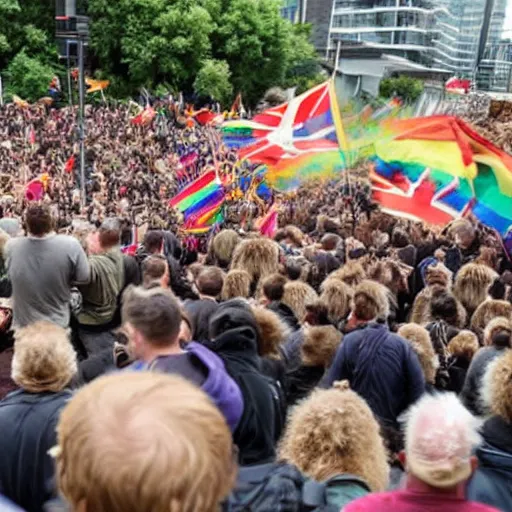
x=44 y=359
x=333 y=432
x=297 y=295
x=144 y=441
x=337 y=295
x=419 y=340
x=237 y=283
x=471 y=285
x=497 y=386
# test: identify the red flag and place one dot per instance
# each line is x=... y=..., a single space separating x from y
x=145 y=117
x=31 y=136
x=70 y=164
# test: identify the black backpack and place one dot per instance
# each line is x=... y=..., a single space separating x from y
x=282 y=488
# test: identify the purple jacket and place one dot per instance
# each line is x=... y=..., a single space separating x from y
x=219 y=386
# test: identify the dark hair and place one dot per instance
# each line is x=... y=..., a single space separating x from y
x=293 y=270
x=153 y=241
x=399 y=238
x=501 y=338
x=317 y=313
x=364 y=307
x=330 y=241
x=39 y=220
x=110 y=233
x=273 y=287
x=209 y=281
x=155 y=313
x=497 y=289
x=153 y=268
x=443 y=306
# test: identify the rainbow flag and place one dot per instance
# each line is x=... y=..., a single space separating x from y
x=296 y=141
x=438 y=168
x=201 y=203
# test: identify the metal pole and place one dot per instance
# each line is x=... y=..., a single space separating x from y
x=70 y=90
x=81 y=117
x=336 y=59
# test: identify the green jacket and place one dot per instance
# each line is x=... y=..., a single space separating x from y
x=99 y=296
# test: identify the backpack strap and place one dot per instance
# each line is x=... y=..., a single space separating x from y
x=253 y=479
x=314 y=494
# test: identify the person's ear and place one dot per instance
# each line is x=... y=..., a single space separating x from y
x=402 y=457
x=474 y=464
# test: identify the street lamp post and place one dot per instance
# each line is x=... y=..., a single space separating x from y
x=81 y=120
x=76 y=28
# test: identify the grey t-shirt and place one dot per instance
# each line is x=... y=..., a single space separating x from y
x=42 y=271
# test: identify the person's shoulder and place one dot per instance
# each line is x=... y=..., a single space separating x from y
x=14 y=243
x=473 y=506
x=374 y=502
x=66 y=241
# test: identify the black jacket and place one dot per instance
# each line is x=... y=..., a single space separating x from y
x=470 y=394
x=233 y=334
x=28 y=424
x=492 y=481
x=301 y=381
x=285 y=313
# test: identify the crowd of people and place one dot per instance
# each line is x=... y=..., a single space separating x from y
x=352 y=361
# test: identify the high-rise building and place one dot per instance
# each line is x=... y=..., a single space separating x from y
x=464 y=37
x=470 y=42
x=400 y=27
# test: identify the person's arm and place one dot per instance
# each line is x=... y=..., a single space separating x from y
x=339 y=369
x=81 y=270
x=415 y=377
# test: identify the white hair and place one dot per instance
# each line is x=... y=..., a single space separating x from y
x=440 y=428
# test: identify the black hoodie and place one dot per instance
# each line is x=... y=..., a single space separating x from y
x=233 y=335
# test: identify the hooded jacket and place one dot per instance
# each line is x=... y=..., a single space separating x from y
x=234 y=338
x=470 y=395
x=199 y=312
x=382 y=368
x=492 y=481
x=217 y=384
x=28 y=424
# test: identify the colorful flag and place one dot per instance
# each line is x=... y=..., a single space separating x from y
x=70 y=164
x=96 y=85
x=306 y=130
x=19 y=102
x=145 y=117
x=438 y=168
x=31 y=135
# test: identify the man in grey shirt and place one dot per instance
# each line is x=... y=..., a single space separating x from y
x=42 y=268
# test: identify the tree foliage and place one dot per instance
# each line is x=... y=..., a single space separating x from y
x=151 y=41
x=176 y=44
x=405 y=87
x=28 y=77
x=214 y=81
x=27 y=53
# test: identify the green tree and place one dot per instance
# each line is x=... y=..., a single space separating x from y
x=303 y=69
x=28 y=77
x=253 y=38
x=405 y=87
x=152 y=41
x=213 y=81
